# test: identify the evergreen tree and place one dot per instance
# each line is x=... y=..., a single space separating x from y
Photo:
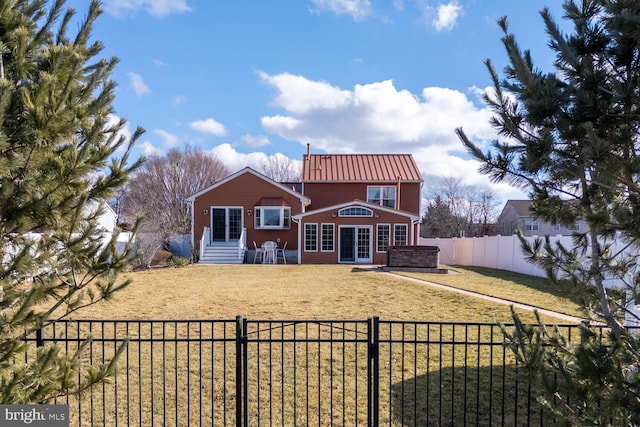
x=572 y=135
x=57 y=167
x=439 y=221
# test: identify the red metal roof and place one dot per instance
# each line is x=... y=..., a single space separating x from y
x=360 y=168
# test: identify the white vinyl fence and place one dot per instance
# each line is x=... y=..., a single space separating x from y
x=500 y=252
x=505 y=253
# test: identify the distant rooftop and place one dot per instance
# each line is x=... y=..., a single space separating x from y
x=522 y=207
x=360 y=168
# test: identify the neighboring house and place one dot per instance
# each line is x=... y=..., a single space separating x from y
x=348 y=209
x=107 y=219
x=517 y=214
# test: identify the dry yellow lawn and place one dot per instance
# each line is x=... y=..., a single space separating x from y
x=288 y=292
x=164 y=382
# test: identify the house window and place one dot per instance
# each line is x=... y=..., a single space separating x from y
x=355 y=211
x=400 y=234
x=576 y=226
x=531 y=224
x=311 y=237
x=384 y=233
x=382 y=195
x=556 y=227
x=272 y=217
x=327 y=238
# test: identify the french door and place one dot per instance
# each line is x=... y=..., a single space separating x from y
x=226 y=224
x=354 y=244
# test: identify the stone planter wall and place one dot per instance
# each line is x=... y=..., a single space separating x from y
x=413 y=256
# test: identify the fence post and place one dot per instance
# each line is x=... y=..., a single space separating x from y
x=241 y=357
x=40 y=337
x=373 y=372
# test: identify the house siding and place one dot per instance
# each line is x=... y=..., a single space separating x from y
x=326 y=217
x=511 y=220
x=328 y=194
x=246 y=191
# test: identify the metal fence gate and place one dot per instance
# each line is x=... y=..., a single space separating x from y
x=298 y=372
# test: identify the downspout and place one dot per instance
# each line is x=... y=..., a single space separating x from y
x=192 y=203
x=415 y=232
x=298 y=251
x=398 y=193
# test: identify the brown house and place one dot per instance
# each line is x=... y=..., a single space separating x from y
x=242 y=208
x=349 y=209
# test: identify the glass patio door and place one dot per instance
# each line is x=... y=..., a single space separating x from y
x=226 y=224
x=355 y=244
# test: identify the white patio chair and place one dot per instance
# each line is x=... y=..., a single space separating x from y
x=281 y=252
x=259 y=254
x=269 y=252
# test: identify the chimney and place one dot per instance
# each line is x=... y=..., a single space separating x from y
x=308 y=150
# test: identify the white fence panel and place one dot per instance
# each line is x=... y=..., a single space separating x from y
x=505 y=253
x=447 y=247
x=501 y=252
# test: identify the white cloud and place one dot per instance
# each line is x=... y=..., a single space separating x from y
x=235 y=161
x=372 y=117
x=178 y=99
x=137 y=84
x=302 y=95
x=380 y=118
x=357 y=9
x=398 y=5
x=159 y=63
x=157 y=8
x=169 y=140
x=148 y=149
x=255 y=140
x=447 y=17
x=114 y=120
x=209 y=126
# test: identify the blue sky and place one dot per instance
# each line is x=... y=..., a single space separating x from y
x=250 y=79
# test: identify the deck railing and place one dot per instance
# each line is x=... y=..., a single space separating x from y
x=205 y=240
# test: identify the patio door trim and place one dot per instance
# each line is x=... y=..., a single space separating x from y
x=355 y=243
x=227 y=224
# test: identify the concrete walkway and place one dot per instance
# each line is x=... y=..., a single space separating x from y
x=565 y=317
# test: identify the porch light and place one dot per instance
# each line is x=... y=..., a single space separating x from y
x=334 y=214
x=205 y=212
x=249 y=212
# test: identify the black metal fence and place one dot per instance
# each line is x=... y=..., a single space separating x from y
x=307 y=373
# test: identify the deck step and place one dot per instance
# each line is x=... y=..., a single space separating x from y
x=221 y=254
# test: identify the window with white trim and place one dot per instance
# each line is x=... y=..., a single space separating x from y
x=400 y=234
x=575 y=226
x=355 y=211
x=327 y=238
x=272 y=217
x=383 y=195
x=311 y=237
x=531 y=224
x=383 y=236
x=556 y=226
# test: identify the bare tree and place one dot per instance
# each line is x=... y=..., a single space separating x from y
x=281 y=168
x=470 y=208
x=158 y=191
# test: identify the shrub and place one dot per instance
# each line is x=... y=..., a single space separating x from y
x=177 y=261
